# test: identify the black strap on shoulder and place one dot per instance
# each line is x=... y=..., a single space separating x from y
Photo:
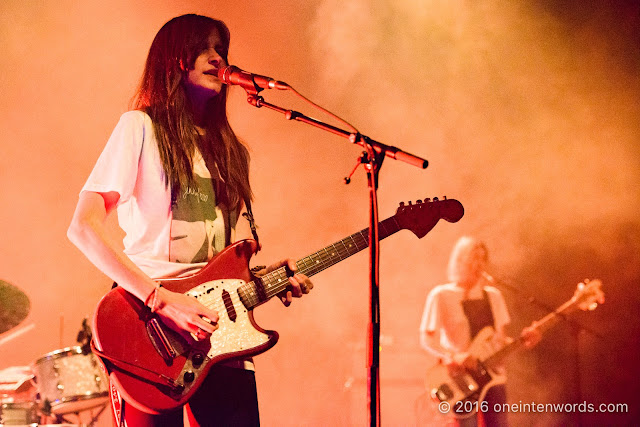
x=252 y=222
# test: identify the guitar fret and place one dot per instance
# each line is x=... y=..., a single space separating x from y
x=247 y=293
x=321 y=265
x=353 y=244
x=303 y=264
x=342 y=249
x=325 y=257
x=335 y=253
x=349 y=244
x=315 y=262
x=382 y=229
x=363 y=240
x=277 y=280
x=316 y=267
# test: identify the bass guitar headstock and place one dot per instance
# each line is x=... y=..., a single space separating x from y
x=588 y=295
x=422 y=216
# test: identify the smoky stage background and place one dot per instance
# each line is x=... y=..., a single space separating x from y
x=528 y=113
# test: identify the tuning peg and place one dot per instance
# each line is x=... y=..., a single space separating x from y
x=401 y=204
x=435 y=199
x=427 y=200
x=410 y=203
x=445 y=197
x=418 y=202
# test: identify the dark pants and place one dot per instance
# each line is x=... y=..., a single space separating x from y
x=495 y=395
x=227 y=397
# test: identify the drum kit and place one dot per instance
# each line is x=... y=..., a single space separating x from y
x=63 y=384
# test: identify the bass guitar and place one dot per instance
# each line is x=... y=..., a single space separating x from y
x=464 y=390
x=156 y=369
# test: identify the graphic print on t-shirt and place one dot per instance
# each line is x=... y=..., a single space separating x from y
x=197 y=227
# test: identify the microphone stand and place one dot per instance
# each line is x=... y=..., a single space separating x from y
x=372 y=159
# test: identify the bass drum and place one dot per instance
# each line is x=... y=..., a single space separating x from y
x=69 y=380
x=16 y=413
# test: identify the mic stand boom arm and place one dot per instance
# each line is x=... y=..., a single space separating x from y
x=362 y=140
x=372 y=159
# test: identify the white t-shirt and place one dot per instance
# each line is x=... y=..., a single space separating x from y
x=164 y=240
x=443 y=312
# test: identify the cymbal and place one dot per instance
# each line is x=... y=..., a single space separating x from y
x=14 y=306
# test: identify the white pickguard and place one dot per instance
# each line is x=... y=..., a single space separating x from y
x=232 y=335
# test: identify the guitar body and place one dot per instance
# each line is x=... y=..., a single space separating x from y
x=157 y=369
x=464 y=389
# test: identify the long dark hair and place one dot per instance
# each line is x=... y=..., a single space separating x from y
x=162 y=95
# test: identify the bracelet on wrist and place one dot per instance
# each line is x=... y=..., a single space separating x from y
x=153 y=296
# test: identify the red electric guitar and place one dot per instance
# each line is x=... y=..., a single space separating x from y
x=157 y=369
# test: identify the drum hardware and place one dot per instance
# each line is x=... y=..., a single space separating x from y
x=14 y=412
x=84 y=337
x=64 y=420
x=71 y=382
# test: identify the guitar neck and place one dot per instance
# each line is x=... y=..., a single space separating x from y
x=542 y=325
x=259 y=291
x=343 y=249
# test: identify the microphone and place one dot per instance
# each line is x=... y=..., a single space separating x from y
x=252 y=83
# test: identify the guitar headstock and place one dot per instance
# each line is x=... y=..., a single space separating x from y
x=588 y=295
x=422 y=216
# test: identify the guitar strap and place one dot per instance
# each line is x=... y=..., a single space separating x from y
x=117 y=405
x=479 y=313
x=248 y=215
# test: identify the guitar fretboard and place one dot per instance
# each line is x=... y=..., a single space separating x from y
x=543 y=325
x=269 y=285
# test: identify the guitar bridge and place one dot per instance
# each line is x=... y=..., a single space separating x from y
x=442 y=393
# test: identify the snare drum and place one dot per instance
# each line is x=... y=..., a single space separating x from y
x=16 y=413
x=69 y=380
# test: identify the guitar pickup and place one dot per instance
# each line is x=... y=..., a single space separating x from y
x=228 y=304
